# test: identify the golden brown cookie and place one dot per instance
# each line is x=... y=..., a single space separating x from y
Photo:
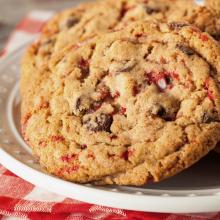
x=89 y=19
x=128 y=107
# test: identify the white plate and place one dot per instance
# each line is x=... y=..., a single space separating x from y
x=194 y=190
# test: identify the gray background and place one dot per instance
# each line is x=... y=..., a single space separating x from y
x=12 y=11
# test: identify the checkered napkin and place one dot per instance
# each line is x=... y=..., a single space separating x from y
x=19 y=198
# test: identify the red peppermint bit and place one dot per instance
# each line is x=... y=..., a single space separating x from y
x=83 y=63
x=83 y=146
x=175 y=76
x=116 y=95
x=24 y=122
x=203 y=37
x=26 y=118
x=104 y=91
x=68 y=158
x=44 y=105
x=57 y=138
x=110 y=155
x=72 y=169
x=91 y=155
x=75 y=168
x=122 y=111
x=162 y=79
x=59 y=172
x=210 y=93
x=169 y=86
x=42 y=143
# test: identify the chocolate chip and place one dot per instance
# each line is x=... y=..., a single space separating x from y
x=177 y=25
x=81 y=105
x=71 y=22
x=161 y=112
x=209 y=117
x=84 y=67
x=101 y=122
x=217 y=37
x=78 y=103
x=151 y=10
x=185 y=49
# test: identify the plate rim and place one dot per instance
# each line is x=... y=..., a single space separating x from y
x=121 y=200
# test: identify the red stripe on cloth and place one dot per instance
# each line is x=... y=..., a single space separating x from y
x=7 y=203
x=61 y=207
x=2 y=170
x=33 y=206
x=9 y=173
x=46 y=216
x=30 y=25
x=14 y=187
x=147 y=216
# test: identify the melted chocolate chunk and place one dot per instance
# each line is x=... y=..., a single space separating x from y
x=209 y=117
x=71 y=22
x=97 y=123
x=185 y=49
x=152 y=10
x=84 y=67
x=161 y=112
x=177 y=25
x=78 y=103
x=217 y=37
x=81 y=105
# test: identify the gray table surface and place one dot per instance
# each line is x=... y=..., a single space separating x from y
x=12 y=11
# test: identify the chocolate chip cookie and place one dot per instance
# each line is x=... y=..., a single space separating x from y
x=85 y=21
x=128 y=107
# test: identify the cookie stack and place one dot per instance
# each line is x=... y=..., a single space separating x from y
x=123 y=92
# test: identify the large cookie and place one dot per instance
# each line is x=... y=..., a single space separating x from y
x=128 y=107
x=83 y=22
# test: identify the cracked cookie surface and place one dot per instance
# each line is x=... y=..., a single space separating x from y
x=89 y=19
x=128 y=107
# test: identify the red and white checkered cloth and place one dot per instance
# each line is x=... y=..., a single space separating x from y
x=19 y=198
